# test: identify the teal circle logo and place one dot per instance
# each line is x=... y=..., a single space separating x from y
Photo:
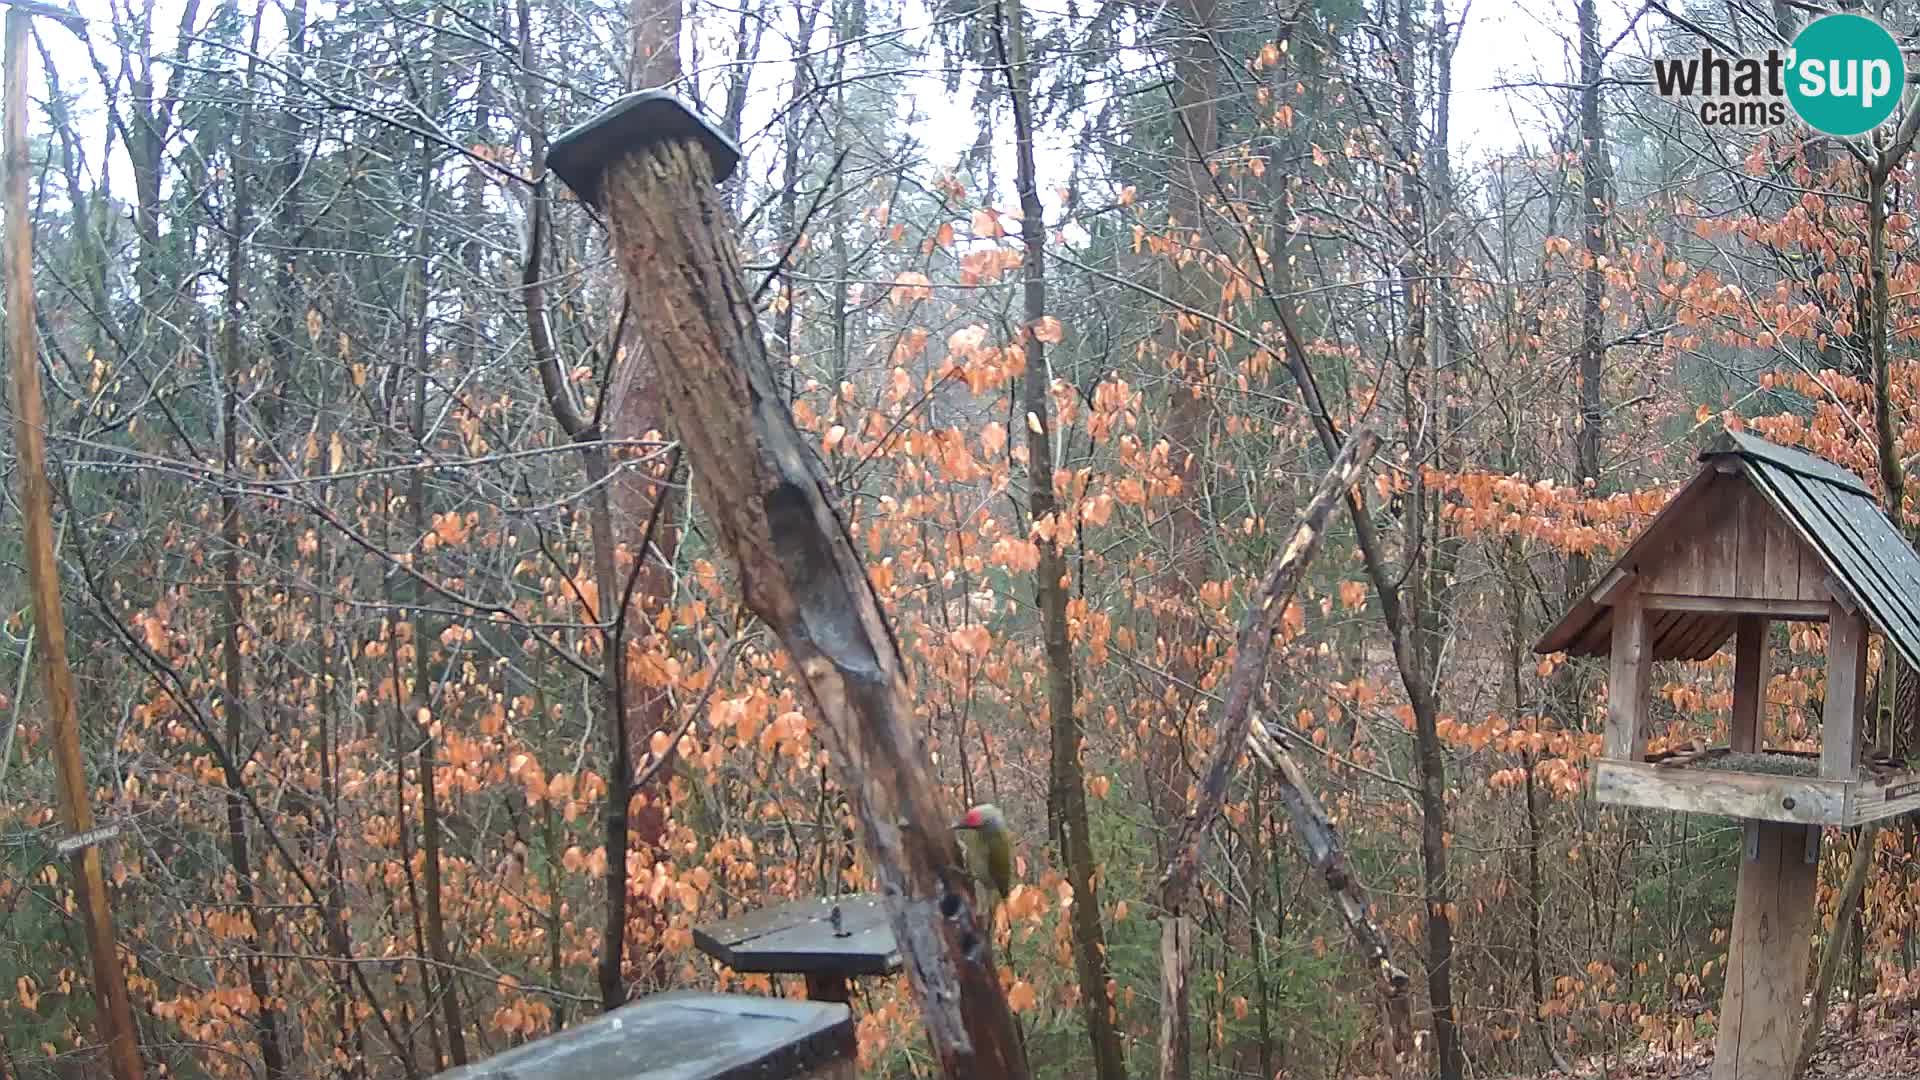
x=1847 y=75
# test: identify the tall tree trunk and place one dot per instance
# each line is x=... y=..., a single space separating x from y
x=267 y=1016
x=1067 y=785
x=610 y=613
x=346 y=1021
x=1430 y=558
x=1189 y=431
x=801 y=572
x=442 y=984
x=288 y=231
x=1594 y=204
x=632 y=408
x=653 y=43
x=793 y=134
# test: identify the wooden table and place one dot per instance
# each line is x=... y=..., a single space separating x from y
x=688 y=1036
x=827 y=940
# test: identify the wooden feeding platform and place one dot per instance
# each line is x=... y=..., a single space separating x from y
x=829 y=940
x=1759 y=786
x=688 y=1036
x=1761 y=534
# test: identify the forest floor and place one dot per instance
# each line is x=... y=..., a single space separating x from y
x=1880 y=1049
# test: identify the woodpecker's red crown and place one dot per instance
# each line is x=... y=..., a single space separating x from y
x=972 y=820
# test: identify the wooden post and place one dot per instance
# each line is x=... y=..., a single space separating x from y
x=1846 y=689
x=112 y=1013
x=1767 y=955
x=1749 y=683
x=651 y=165
x=1627 y=678
x=828 y=988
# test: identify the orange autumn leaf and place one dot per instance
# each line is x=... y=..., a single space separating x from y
x=909 y=286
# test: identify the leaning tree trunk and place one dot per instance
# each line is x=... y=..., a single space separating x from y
x=1251 y=651
x=652 y=166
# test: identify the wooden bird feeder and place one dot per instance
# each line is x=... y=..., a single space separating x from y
x=1762 y=534
x=828 y=940
x=688 y=1036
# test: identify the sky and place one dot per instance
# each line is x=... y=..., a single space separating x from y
x=1506 y=49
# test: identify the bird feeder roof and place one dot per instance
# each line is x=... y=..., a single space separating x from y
x=1728 y=521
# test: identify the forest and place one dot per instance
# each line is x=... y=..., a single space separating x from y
x=1221 y=398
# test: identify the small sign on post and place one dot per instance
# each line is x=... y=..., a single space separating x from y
x=90 y=838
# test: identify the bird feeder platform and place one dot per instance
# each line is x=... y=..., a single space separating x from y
x=829 y=940
x=688 y=1036
x=1761 y=534
x=1774 y=786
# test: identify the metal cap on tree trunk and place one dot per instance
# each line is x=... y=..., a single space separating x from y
x=581 y=156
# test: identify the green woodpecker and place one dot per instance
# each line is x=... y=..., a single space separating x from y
x=989 y=849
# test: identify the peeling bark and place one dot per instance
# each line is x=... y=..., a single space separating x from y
x=800 y=572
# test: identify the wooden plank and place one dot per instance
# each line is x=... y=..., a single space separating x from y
x=1871 y=800
x=1793 y=609
x=687 y=1036
x=1697 y=560
x=1613 y=585
x=1784 y=547
x=1749 y=683
x=1840 y=595
x=1627 y=678
x=1668 y=630
x=1698 y=636
x=1597 y=637
x=1717 y=546
x=1672 y=519
x=1756 y=520
x=1795 y=799
x=1846 y=694
x=1709 y=634
x=1796 y=509
x=1767 y=954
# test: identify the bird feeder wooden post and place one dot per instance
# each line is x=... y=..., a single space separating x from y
x=651 y=165
x=1761 y=534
